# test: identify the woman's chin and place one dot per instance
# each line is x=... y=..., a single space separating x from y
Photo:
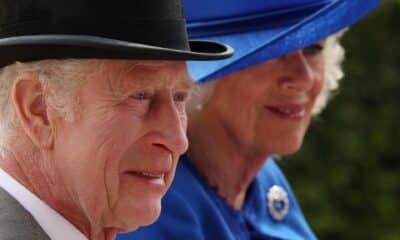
x=287 y=148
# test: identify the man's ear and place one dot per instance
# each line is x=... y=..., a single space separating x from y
x=32 y=110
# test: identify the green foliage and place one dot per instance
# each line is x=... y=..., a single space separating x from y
x=347 y=175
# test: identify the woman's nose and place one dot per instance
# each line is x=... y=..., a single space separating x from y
x=297 y=73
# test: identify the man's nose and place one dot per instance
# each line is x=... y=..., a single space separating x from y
x=171 y=124
x=298 y=74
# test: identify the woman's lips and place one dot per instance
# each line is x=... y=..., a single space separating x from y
x=290 y=111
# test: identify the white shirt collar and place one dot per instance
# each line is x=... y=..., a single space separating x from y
x=55 y=225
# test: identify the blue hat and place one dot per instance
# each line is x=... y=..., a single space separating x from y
x=259 y=30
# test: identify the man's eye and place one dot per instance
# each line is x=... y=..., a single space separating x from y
x=314 y=49
x=180 y=97
x=141 y=95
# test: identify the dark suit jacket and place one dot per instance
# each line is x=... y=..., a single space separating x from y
x=16 y=223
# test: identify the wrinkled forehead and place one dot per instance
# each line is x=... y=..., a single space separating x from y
x=126 y=74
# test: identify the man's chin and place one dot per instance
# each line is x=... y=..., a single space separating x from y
x=127 y=229
x=140 y=215
x=151 y=216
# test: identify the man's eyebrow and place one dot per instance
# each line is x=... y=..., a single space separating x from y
x=186 y=83
x=139 y=75
x=134 y=75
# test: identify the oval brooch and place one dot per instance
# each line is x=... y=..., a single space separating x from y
x=278 y=202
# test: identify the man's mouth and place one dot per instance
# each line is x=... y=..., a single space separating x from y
x=157 y=178
x=152 y=175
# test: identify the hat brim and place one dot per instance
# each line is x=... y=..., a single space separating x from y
x=38 y=47
x=254 y=47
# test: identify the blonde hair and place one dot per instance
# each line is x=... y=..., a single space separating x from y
x=333 y=57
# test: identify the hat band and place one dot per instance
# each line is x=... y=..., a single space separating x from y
x=167 y=33
x=253 y=22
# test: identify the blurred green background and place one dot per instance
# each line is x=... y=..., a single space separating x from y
x=347 y=175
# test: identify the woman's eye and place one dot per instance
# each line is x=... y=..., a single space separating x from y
x=314 y=49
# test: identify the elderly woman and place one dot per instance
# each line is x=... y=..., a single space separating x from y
x=92 y=114
x=227 y=186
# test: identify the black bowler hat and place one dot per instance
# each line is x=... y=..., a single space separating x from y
x=120 y=29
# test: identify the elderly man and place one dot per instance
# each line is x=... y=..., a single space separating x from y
x=90 y=133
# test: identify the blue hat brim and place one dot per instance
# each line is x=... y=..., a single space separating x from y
x=254 y=47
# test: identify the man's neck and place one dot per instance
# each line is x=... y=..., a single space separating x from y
x=32 y=178
x=224 y=163
x=108 y=234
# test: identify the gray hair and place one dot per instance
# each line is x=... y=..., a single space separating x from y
x=333 y=73
x=60 y=80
